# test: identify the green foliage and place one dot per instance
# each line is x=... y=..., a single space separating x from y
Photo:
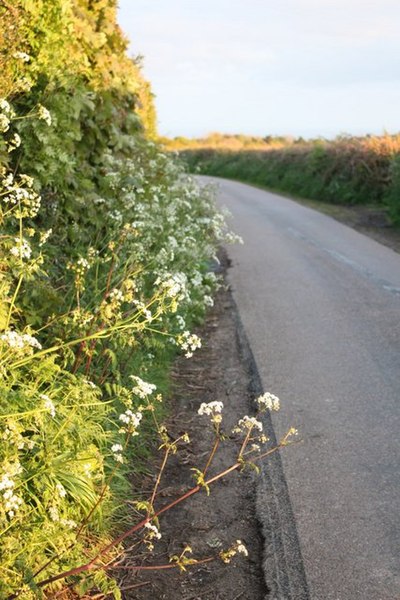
x=105 y=248
x=345 y=171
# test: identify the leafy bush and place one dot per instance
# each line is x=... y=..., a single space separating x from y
x=105 y=250
x=345 y=171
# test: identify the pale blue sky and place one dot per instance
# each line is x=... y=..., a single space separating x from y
x=292 y=67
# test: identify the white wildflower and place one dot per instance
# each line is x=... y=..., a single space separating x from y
x=61 y=491
x=4 y=123
x=116 y=296
x=13 y=143
x=44 y=236
x=68 y=523
x=248 y=423
x=153 y=531
x=44 y=114
x=21 y=249
x=19 y=341
x=208 y=300
x=22 y=56
x=12 y=502
x=53 y=512
x=48 y=404
x=142 y=388
x=212 y=409
x=268 y=402
x=189 y=342
x=131 y=420
x=5 y=106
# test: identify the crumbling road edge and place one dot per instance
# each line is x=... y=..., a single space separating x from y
x=282 y=562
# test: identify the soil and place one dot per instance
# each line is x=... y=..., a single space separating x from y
x=208 y=524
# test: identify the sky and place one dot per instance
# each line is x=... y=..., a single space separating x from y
x=269 y=67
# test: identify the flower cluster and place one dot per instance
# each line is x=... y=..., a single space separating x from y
x=48 y=405
x=142 y=388
x=268 y=402
x=79 y=268
x=20 y=342
x=21 y=249
x=213 y=410
x=247 y=424
x=237 y=548
x=117 y=450
x=131 y=420
x=189 y=342
x=19 y=194
x=11 y=501
x=44 y=114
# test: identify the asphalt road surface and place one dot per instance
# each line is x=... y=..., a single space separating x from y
x=320 y=305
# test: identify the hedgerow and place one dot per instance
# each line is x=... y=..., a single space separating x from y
x=106 y=248
x=347 y=170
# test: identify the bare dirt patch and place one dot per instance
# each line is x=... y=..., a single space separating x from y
x=207 y=524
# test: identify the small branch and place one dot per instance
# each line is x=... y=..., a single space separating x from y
x=92 y=566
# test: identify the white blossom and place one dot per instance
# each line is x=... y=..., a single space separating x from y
x=131 y=420
x=142 y=388
x=248 y=423
x=48 y=404
x=153 y=531
x=22 y=56
x=19 y=341
x=189 y=342
x=44 y=114
x=268 y=402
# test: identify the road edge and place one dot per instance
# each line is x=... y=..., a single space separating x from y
x=282 y=562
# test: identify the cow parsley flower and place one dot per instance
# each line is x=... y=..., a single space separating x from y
x=18 y=341
x=21 y=249
x=131 y=420
x=13 y=143
x=189 y=342
x=142 y=388
x=153 y=531
x=22 y=56
x=44 y=114
x=5 y=106
x=268 y=402
x=48 y=404
x=248 y=423
x=212 y=409
x=4 y=123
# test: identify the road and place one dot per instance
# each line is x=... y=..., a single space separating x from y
x=320 y=306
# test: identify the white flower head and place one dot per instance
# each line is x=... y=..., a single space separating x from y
x=48 y=404
x=61 y=491
x=153 y=531
x=4 y=123
x=212 y=409
x=44 y=114
x=131 y=420
x=142 y=388
x=248 y=423
x=13 y=143
x=5 y=106
x=23 y=56
x=189 y=342
x=268 y=402
x=21 y=249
